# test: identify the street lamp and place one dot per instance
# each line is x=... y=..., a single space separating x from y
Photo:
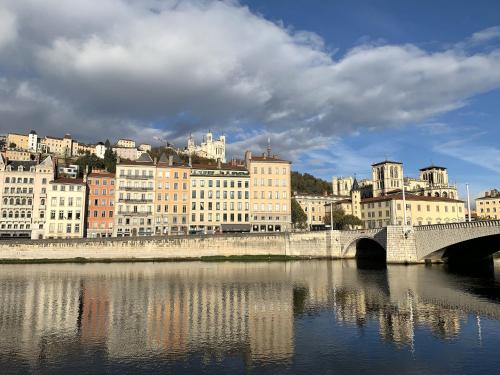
x=468 y=204
x=331 y=215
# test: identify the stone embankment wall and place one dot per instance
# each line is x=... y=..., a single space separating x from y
x=310 y=244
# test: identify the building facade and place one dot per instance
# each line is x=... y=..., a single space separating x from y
x=62 y=147
x=100 y=204
x=65 y=208
x=488 y=206
x=134 y=197
x=19 y=141
x=270 y=192
x=316 y=208
x=172 y=191
x=220 y=199
x=210 y=148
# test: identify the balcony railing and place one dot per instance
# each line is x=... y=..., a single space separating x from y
x=135 y=188
x=130 y=200
x=132 y=213
x=135 y=177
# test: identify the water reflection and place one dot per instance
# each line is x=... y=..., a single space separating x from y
x=173 y=312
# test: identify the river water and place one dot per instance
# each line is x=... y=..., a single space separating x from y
x=310 y=317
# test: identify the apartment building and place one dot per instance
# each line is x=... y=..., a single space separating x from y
x=125 y=143
x=270 y=192
x=386 y=210
x=17 y=154
x=172 y=189
x=18 y=141
x=58 y=146
x=100 y=204
x=488 y=206
x=65 y=208
x=315 y=207
x=134 y=197
x=44 y=174
x=220 y=198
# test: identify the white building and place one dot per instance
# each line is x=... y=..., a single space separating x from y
x=210 y=148
x=100 y=150
x=33 y=141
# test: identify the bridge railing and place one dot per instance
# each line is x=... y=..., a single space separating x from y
x=461 y=225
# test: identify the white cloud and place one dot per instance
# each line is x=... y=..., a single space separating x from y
x=126 y=66
x=484 y=156
x=486 y=35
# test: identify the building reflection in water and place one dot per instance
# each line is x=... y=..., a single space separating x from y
x=176 y=310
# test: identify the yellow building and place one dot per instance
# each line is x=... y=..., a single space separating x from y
x=17 y=154
x=19 y=141
x=488 y=206
x=386 y=210
x=220 y=198
x=270 y=192
x=65 y=208
x=125 y=143
x=58 y=146
x=134 y=194
x=316 y=207
x=172 y=189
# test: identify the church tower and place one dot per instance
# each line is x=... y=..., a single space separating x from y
x=387 y=176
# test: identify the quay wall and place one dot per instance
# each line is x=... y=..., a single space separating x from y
x=309 y=245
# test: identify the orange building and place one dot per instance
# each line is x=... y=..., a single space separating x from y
x=101 y=202
x=171 y=196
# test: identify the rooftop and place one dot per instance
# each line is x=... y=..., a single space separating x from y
x=409 y=197
x=386 y=162
x=432 y=167
x=65 y=180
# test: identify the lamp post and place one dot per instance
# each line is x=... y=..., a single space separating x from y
x=404 y=197
x=331 y=216
x=468 y=203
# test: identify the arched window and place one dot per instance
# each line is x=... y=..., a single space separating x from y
x=11 y=214
x=12 y=201
x=7 y=179
x=30 y=202
x=445 y=194
x=4 y=213
x=5 y=201
x=16 y=214
x=452 y=196
x=24 y=202
x=23 y=214
x=18 y=201
x=436 y=194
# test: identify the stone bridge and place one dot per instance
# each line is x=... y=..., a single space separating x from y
x=408 y=244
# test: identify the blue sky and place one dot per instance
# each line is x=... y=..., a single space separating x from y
x=466 y=140
x=336 y=85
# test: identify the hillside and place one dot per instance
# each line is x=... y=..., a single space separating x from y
x=308 y=184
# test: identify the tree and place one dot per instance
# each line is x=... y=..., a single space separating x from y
x=12 y=145
x=341 y=220
x=88 y=160
x=110 y=158
x=308 y=184
x=299 y=217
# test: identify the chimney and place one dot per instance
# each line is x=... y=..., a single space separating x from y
x=170 y=160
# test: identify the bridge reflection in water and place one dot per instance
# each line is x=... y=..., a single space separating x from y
x=174 y=311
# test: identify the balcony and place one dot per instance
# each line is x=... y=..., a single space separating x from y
x=137 y=214
x=136 y=177
x=135 y=188
x=130 y=200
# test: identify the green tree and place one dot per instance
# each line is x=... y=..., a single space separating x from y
x=110 y=158
x=90 y=161
x=299 y=217
x=12 y=145
x=308 y=184
x=341 y=220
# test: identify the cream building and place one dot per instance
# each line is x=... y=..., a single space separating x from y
x=172 y=189
x=316 y=207
x=134 y=197
x=270 y=192
x=129 y=153
x=17 y=154
x=65 y=208
x=58 y=146
x=23 y=188
x=210 y=148
x=386 y=210
x=144 y=147
x=488 y=206
x=220 y=199
x=125 y=143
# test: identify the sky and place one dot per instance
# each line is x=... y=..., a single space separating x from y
x=335 y=85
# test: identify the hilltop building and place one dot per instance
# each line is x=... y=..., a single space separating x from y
x=210 y=148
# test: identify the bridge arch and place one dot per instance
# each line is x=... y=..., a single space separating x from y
x=365 y=247
x=458 y=241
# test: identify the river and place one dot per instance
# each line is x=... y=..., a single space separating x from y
x=309 y=317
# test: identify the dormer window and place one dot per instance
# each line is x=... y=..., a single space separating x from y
x=20 y=168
